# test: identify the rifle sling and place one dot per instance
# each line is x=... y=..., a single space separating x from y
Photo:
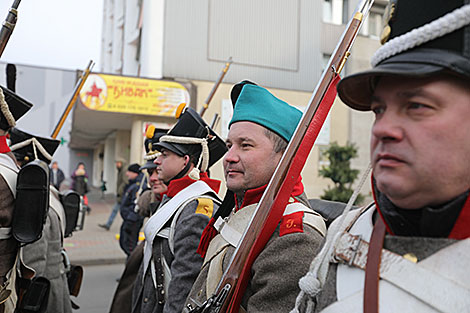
x=372 y=272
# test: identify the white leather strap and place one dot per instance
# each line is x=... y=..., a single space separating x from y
x=233 y=234
x=164 y=233
x=230 y=234
x=165 y=213
x=424 y=284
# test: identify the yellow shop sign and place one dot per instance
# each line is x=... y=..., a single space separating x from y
x=112 y=93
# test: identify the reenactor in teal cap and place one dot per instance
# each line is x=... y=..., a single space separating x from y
x=259 y=132
x=409 y=250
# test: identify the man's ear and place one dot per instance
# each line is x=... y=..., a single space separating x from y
x=186 y=159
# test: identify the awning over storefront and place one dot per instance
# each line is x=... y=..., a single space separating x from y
x=110 y=102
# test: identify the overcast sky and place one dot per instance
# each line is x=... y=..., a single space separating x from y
x=55 y=33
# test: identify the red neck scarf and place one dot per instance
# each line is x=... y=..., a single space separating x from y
x=179 y=184
x=251 y=196
x=4 y=148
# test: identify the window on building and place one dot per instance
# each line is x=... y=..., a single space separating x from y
x=327 y=11
x=336 y=11
x=372 y=26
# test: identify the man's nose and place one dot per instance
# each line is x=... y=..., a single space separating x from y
x=232 y=155
x=388 y=127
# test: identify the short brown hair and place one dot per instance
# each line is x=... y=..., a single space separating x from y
x=279 y=143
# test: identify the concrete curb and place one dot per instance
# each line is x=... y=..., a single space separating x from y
x=98 y=261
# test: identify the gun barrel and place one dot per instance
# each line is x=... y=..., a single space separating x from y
x=216 y=85
x=71 y=103
x=8 y=25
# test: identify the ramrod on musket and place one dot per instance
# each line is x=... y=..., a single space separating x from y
x=74 y=97
x=8 y=25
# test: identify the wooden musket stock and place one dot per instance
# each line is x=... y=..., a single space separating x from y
x=71 y=103
x=231 y=287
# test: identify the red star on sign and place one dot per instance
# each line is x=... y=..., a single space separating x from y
x=95 y=91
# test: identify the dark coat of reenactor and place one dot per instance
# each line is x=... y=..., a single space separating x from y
x=409 y=250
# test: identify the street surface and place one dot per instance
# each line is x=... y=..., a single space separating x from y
x=99 y=284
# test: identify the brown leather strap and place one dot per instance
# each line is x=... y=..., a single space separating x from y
x=371 y=285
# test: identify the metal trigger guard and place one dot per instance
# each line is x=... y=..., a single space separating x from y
x=214 y=303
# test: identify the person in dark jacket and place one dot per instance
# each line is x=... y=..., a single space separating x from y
x=56 y=175
x=131 y=220
x=80 y=179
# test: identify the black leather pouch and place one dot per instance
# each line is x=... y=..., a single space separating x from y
x=71 y=203
x=74 y=279
x=32 y=202
x=35 y=295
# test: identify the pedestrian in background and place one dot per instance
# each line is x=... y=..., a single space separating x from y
x=80 y=183
x=80 y=179
x=131 y=220
x=56 y=175
x=121 y=183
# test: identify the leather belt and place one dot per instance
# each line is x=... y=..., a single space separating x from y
x=160 y=283
x=372 y=277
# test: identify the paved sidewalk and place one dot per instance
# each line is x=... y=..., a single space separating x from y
x=95 y=245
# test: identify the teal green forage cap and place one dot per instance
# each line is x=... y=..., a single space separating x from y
x=256 y=104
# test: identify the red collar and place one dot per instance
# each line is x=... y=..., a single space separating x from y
x=179 y=184
x=254 y=195
x=4 y=148
x=461 y=229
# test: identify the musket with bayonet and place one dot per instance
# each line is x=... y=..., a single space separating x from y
x=268 y=213
x=216 y=85
x=74 y=97
x=8 y=25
